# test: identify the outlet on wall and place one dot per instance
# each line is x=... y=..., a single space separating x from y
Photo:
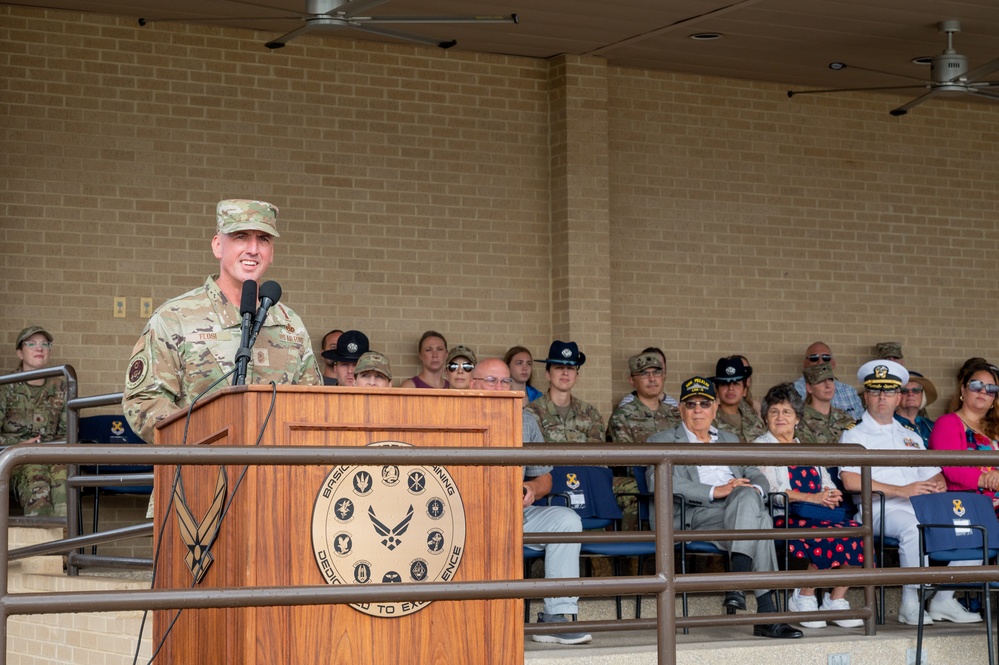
x=839 y=659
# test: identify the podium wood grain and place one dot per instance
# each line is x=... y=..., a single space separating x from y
x=266 y=540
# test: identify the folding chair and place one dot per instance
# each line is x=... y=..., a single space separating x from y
x=956 y=526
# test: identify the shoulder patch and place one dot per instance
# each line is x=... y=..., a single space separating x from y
x=137 y=371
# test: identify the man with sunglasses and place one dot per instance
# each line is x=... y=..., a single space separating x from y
x=845 y=398
x=563 y=417
x=723 y=497
x=878 y=430
x=561 y=559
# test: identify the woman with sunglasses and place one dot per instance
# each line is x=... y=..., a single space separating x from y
x=458 y=367
x=33 y=412
x=974 y=426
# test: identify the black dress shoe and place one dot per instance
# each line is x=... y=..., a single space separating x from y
x=777 y=630
x=735 y=600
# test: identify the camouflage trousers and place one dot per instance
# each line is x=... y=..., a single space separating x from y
x=41 y=489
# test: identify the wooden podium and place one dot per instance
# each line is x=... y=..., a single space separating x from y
x=266 y=539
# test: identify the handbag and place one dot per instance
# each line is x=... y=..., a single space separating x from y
x=818 y=512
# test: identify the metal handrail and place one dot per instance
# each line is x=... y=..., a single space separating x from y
x=664 y=583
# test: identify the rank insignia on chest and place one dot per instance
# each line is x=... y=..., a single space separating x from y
x=290 y=329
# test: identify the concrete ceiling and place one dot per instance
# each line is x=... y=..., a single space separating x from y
x=790 y=42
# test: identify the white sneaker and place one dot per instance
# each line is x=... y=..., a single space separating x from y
x=798 y=603
x=908 y=614
x=951 y=610
x=841 y=604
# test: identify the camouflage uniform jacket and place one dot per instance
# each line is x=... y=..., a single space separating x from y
x=817 y=428
x=634 y=422
x=191 y=341
x=582 y=424
x=751 y=428
x=28 y=411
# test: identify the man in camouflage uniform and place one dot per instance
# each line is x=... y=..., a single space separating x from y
x=638 y=419
x=822 y=422
x=735 y=414
x=32 y=412
x=562 y=417
x=190 y=343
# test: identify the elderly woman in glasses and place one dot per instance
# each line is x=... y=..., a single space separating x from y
x=458 y=367
x=814 y=502
x=974 y=426
x=31 y=412
x=917 y=394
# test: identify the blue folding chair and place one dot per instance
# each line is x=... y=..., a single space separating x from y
x=956 y=526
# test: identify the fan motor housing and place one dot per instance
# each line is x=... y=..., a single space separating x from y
x=948 y=67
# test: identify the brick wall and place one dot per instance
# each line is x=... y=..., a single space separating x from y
x=423 y=189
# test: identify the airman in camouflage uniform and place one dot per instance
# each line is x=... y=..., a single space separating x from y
x=562 y=417
x=33 y=413
x=816 y=427
x=190 y=342
x=730 y=383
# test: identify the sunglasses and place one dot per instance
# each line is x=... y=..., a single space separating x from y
x=453 y=367
x=977 y=386
x=690 y=405
x=887 y=392
x=915 y=391
x=815 y=357
x=32 y=345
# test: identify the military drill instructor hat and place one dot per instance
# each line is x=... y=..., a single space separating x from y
x=818 y=373
x=730 y=370
x=460 y=351
x=882 y=374
x=697 y=386
x=565 y=353
x=888 y=350
x=349 y=348
x=643 y=361
x=372 y=361
x=929 y=390
x=28 y=332
x=245 y=215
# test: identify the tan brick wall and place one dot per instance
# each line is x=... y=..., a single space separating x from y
x=425 y=189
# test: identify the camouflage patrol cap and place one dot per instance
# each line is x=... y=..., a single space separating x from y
x=245 y=215
x=372 y=361
x=890 y=350
x=28 y=332
x=818 y=373
x=643 y=361
x=461 y=351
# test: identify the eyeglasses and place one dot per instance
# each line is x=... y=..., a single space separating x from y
x=492 y=380
x=453 y=367
x=786 y=413
x=917 y=390
x=649 y=373
x=977 y=386
x=34 y=345
x=690 y=405
x=816 y=357
x=887 y=392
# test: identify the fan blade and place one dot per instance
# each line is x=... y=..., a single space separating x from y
x=405 y=36
x=844 y=65
x=224 y=21
x=352 y=8
x=902 y=110
x=792 y=93
x=512 y=18
x=284 y=39
x=988 y=94
x=984 y=70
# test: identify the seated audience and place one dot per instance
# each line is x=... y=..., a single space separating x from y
x=666 y=399
x=638 y=419
x=561 y=559
x=521 y=364
x=722 y=497
x=349 y=348
x=815 y=502
x=878 y=430
x=735 y=414
x=822 y=422
x=432 y=350
x=955 y=400
x=563 y=417
x=35 y=412
x=458 y=367
x=917 y=394
x=373 y=371
x=974 y=426
x=845 y=397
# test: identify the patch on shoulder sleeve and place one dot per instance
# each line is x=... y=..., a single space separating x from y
x=137 y=371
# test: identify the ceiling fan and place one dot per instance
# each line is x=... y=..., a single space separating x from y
x=331 y=15
x=949 y=76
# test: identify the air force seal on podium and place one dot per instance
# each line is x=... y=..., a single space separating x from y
x=385 y=524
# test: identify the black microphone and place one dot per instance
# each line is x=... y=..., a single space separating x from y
x=247 y=305
x=270 y=294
